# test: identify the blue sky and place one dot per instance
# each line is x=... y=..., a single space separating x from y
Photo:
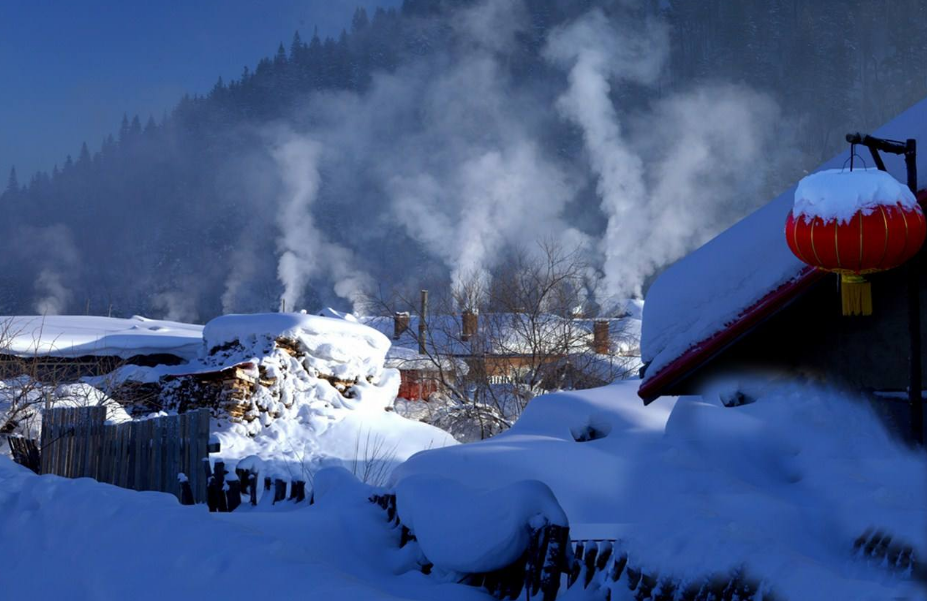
x=70 y=69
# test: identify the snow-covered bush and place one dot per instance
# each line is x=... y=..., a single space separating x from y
x=23 y=399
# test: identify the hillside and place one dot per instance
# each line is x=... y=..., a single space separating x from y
x=338 y=165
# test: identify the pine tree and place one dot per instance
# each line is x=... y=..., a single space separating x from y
x=359 y=22
x=136 y=127
x=124 y=129
x=296 y=48
x=83 y=159
x=12 y=185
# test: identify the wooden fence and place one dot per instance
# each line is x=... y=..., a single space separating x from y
x=140 y=455
x=554 y=563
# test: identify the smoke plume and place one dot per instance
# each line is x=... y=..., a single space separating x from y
x=497 y=136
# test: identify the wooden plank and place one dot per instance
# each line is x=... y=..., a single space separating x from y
x=60 y=449
x=46 y=443
x=97 y=440
x=43 y=441
x=63 y=442
x=103 y=462
x=67 y=435
x=203 y=444
x=116 y=477
x=157 y=444
x=56 y=441
x=173 y=454
x=80 y=440
x=124 y=455
x=185 y=450
x=151 y=433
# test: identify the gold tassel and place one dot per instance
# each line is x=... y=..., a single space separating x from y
x=856 y=294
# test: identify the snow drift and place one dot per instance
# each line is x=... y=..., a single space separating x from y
x=692 y=487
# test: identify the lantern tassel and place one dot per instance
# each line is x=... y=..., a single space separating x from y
x=856 y=294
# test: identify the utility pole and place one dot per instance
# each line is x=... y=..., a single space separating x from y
x=422 y=328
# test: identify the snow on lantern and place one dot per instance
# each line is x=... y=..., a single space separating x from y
x=854 y=222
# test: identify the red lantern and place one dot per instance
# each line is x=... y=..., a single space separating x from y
x=880 y=238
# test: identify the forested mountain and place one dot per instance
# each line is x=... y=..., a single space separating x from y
x=337 y=166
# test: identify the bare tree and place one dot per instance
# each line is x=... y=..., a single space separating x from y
x=32 y=381
x=523 y=330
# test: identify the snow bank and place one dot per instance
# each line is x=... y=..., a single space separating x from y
x=702 y=293
x=693 y=487
x=334 y=347
x=80 y=335
x=471 y=531
x=312 y=437
x=840 y=193
x=84 y=541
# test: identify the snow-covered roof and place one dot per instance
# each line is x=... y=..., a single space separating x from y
x=82 y=335
x=745 y=272
x=511 y=334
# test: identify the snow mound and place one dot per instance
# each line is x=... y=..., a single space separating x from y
x=840 y=193
x=82 y=335
x=333 y=347
x=472 y=531
x=692 y=487
x=322 y=396
x=111 y=543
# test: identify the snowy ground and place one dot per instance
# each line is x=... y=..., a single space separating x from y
x=783 y=485
x=84 y=541
x=689 y=486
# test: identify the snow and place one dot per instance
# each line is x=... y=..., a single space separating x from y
x=838 y=194
x=336 y=347
x=692 y=487
x=84 y=541
x=472 y=531
x=300 y=421
x=313 y=436
x=82 y=335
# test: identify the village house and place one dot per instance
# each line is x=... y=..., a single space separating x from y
x=60 y=348
x=744 y=303
x=505 y=348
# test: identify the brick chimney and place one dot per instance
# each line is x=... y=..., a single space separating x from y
x=471 y=323
x=600 y=341
x=400 y=324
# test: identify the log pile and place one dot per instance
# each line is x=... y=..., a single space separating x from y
x=224 y=393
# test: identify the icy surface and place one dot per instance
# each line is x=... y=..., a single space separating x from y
x=80 y=335
x=705 y=291
x=469 y=530
x=692 y=487
x=840 y=194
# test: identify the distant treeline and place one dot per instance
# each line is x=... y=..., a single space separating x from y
x=149 y=220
